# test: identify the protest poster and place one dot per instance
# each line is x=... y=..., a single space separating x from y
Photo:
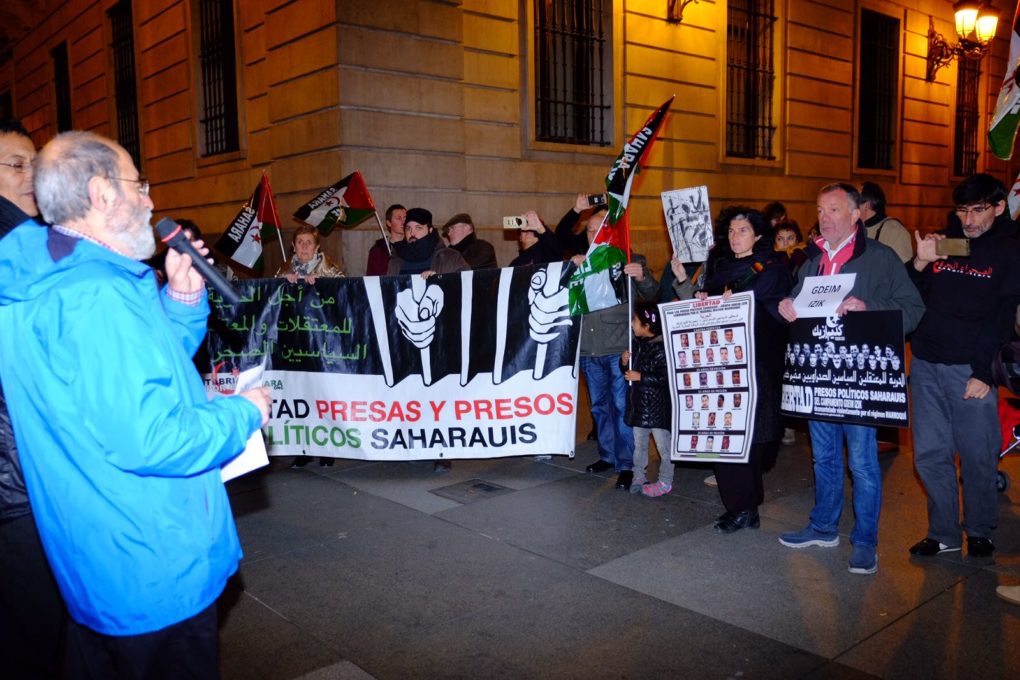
x=710 y=355
x=689 y=222
x=847 y=369
x=477 y=364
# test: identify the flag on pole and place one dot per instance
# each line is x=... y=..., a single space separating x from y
x=600 y=282
x=347 y=203
x=257 y=221
x=1013 y=200
x=1002 y=131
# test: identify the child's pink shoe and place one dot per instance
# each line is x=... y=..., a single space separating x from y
x=657 y=489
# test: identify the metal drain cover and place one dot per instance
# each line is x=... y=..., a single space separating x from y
x=472 y=490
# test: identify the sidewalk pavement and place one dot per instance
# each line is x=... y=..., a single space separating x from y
x=517 y=568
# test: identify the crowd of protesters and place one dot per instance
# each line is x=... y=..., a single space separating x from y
x=118 y=490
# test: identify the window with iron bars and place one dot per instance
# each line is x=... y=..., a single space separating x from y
x=878 y=92
x=124 y=82
x=62 y=87
x=219 y=123
x=965 y=136
x=750 y=78
x=573 y=72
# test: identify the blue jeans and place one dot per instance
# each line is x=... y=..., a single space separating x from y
x=862 y=447
x=607 y=391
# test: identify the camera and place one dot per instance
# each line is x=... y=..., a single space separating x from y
x=596 y=200
x=515 y=222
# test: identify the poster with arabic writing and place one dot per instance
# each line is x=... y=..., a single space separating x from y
x=477 y=364
x=847 y=369
x=710 y=355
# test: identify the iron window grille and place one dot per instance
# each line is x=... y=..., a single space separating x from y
x=877 y=92
x=573 y=72
x=219 y=121
x=124 y=81
x=965 y=148
x=750 y=78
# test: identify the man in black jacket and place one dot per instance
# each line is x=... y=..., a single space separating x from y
x=32 y=612
x=538 y=244
x=971 y=302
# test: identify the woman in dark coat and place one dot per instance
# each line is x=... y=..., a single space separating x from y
x=743 y=259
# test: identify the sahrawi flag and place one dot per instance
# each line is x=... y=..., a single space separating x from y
x=600 y=282
x=257 y=221
x=1002 y=131
x=1013 y=200
x=347 y=203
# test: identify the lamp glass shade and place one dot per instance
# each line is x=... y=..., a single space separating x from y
x=986 y=25
x=966 y=18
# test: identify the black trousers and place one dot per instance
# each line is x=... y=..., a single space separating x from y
x=186 y=650
x=32 y=613
x=740 y=484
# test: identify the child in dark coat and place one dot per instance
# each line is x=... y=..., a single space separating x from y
x=648 y=403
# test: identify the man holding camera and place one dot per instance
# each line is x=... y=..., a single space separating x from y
x=604 y=337
x=970 y=303
x=538 y=244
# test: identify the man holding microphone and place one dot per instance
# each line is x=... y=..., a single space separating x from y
x=120 y=447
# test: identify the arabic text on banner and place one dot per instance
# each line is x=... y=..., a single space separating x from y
x=469 y=365
x=847 y=369
x=710 y=354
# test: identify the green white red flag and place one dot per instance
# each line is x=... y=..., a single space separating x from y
x=1002 y=131
x=258 y=220
x=345 y=204
x=600 y=282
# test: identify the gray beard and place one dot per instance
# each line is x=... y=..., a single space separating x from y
x=137 y=238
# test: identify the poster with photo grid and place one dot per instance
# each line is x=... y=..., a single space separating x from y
x=710 y=355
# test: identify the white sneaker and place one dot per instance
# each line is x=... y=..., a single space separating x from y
x=789 y=436
x=543 y=456
x=710 y=481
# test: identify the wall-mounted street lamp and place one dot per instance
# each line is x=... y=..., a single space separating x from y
x=675 y=10
x=976 y=22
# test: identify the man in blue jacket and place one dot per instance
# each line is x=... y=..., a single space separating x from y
x=121 y=450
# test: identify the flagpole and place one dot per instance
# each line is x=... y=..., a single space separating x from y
x=276 y=216
x=385 y=237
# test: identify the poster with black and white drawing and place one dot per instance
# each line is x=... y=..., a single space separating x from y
x=848 y=369
x=689 y=222
x=710 y=355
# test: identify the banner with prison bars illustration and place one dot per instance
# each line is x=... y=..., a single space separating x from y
x=478 y=364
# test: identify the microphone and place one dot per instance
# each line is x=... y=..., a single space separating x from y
x=171 y=234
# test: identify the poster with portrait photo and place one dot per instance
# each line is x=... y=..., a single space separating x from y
x=710 y=357
x=689 y=222
x=847 y=369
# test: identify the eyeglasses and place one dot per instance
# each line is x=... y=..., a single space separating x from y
x=978 y=210
x=143 y=184
x=20 y=166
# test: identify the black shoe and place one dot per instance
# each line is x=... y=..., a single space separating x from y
x=734 y=521
x=441 y=467
x=978 y=546
x=929 y=547
x=599 y=466
x=325 y=461
x=300 y=461
x=625 y=480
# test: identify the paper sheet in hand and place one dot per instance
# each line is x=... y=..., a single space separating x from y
x=254 y=455
x=820 y=295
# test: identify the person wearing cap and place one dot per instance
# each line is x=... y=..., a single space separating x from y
x=459 y=231
x=421 y=251
x=538 y=244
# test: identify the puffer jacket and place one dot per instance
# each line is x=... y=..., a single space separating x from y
x=648 y=403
